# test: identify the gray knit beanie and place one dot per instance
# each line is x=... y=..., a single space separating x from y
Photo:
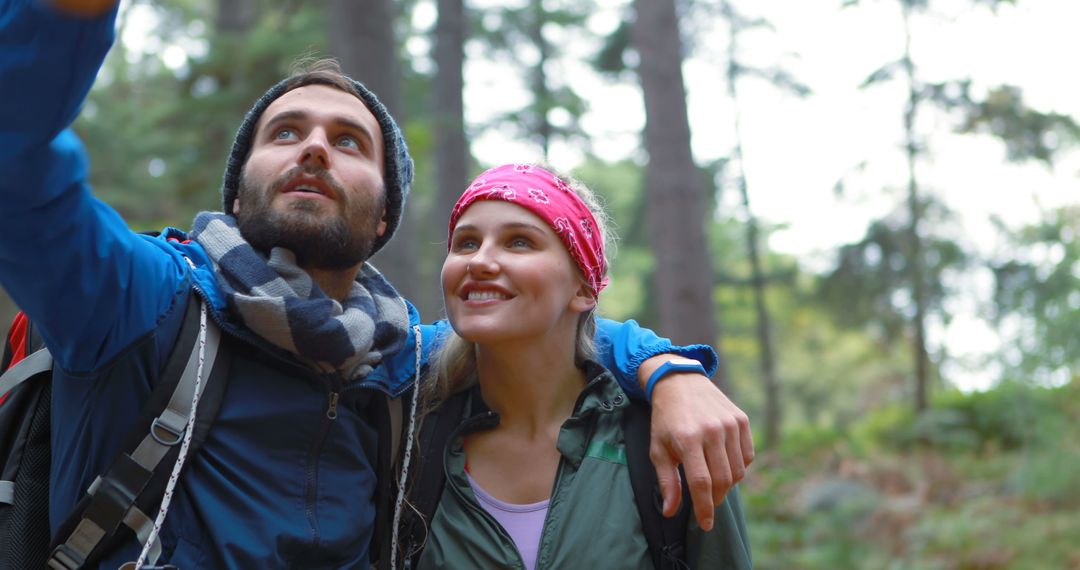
x=397 y=165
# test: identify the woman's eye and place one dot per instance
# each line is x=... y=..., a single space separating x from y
x=520 y=243
x=465 y=244
x=349 y=142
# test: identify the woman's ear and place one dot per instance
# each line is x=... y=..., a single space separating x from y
x=583 y=300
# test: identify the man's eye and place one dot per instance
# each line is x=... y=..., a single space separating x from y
x=285 y=135
x=349 y=142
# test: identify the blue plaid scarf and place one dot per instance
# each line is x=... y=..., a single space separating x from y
x=278 y=301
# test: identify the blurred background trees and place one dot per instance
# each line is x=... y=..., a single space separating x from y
x=872 y=457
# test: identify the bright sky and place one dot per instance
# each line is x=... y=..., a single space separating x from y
x=797 y=150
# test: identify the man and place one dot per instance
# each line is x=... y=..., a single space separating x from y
x=315 y=184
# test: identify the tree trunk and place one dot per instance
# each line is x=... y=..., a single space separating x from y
x=452 y=156
x=362 y=38
x=235 y=16
x=918 y=286
x=538 y=78
x=674 y=189
x=767 y=361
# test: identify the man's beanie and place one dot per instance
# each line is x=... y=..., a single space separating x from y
x=397 y=164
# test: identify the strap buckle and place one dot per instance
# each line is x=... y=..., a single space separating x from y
x=176 y=434
x=64 y=557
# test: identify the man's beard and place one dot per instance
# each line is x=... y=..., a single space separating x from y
x=319 y=241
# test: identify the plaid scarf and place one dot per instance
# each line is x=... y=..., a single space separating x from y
x=280 y=302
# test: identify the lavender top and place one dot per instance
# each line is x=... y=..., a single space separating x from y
x=524 y=523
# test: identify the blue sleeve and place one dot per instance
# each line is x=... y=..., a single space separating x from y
x=400 y=368
x=67 y=259
x=622 y=347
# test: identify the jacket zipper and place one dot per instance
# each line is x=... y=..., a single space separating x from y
x=542 y=555
x=335 y=385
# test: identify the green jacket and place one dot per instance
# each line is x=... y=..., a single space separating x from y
x=592 y=519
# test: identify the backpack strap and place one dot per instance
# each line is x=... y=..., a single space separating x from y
x=666 y=536
x=24 y=369
x=430 y=475
x=380 y=412
x=24 y=455
x=38 y=362
x=135 y=482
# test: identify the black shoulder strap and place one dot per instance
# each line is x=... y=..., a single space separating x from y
x=37 y=360
x=117 y=503
x=22 y=402
x=384 y=413
x=429 y=477
x=24 y=456
x=666 y=536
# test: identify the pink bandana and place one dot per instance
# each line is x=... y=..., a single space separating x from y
x=545 y=195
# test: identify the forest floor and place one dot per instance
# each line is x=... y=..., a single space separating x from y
x=988 y=482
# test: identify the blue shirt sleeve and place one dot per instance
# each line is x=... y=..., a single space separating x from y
x=621 y=347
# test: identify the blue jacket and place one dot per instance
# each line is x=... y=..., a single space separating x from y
x=277 y=483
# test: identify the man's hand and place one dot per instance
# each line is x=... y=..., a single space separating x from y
x=695 y=424
x=83 y=8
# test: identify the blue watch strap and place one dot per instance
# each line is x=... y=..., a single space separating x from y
x=678 y=365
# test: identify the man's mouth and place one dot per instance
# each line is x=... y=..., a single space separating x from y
x=307 y=189
x=309 y=184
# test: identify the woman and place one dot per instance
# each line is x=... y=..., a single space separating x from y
x=535 y=466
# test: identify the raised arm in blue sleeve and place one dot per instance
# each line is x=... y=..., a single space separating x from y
x=67 y=259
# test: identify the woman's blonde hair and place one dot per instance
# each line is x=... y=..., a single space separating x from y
x=454 y=367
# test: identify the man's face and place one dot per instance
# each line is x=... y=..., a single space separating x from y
x=313 y=182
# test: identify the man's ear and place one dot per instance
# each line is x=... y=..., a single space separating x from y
x=236 y=206
x=381 y=228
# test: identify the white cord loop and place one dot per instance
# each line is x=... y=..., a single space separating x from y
x=403 y=478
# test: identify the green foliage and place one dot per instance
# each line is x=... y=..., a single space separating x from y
x=1011 y=417
x=1027 y=133
x=871 y=282
x=158 y=136
x=999 y=491
x=612 y=57
x=520 y=37
x=1037 y=284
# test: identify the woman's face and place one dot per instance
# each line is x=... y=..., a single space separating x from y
x=509 y=277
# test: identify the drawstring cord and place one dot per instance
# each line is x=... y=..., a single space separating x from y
x=407 y=457
x=175 y=475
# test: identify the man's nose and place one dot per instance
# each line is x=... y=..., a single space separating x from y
x=316 y=150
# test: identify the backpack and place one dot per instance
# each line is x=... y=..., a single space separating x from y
x=116 y=507
x=666 y=537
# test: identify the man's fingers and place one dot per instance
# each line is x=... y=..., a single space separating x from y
x=667 y=476
x=724 y=476
x=699 y=479
x=746 y=439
